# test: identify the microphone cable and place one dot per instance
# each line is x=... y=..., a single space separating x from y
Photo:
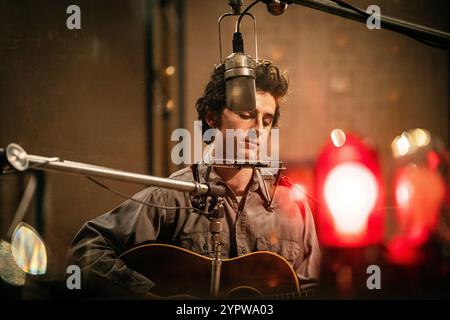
x=120 y=194
x=238 y=24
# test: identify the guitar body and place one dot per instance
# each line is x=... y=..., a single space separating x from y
x=179 y=271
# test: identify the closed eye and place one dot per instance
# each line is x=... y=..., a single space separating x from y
x=246 y=115
x=267 y=119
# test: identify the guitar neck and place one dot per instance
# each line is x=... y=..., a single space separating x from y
x=308 y=293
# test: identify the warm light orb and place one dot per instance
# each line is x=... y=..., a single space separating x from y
x=170 y=70
x=350 y=192
x=422 y=137
x=338 y=137
x=403 y=145
x=410 y=141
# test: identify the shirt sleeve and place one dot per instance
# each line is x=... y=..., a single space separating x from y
x=96 y=247
x=308 y=264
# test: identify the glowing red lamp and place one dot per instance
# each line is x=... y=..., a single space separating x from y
x=420 y=194
x=349 y=189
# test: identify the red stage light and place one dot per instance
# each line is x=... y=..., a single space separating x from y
x=349 y=188
x=420 y=194
x=350 y=192
x=420 y=191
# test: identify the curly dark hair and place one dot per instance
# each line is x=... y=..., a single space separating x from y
x=269 y=79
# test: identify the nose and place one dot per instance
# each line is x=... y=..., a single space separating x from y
x=259 y=125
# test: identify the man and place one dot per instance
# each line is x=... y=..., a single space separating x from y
x=249 y=225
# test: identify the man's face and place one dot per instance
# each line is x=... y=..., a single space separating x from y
x=256 y=123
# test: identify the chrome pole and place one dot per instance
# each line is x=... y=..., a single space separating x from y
x=19 y=160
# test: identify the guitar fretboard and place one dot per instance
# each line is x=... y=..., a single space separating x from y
x=308 y=293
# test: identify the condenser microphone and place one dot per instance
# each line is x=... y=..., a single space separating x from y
x=240 y=78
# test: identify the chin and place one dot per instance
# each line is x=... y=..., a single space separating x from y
x=249 y=154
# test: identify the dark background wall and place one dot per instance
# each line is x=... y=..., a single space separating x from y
x=84 y=95
x=76 y=94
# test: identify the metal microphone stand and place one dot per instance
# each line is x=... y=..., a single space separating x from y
x=217 y=213
x=17 y=159
x=215 y=228
x=387 y=22
x=422 y=33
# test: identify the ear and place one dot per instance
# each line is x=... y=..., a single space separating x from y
x=211 y=118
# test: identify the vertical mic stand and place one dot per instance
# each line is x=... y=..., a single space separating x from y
x=215 y=228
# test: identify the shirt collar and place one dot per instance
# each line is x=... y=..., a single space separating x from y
x=207 y=173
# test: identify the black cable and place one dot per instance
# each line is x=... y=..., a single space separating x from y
x=142 y=202
x=427 y=42
x=351 y=7
x=238 y=26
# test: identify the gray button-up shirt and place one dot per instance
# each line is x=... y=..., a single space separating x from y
x=248 y=226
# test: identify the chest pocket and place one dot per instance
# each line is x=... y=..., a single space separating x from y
x=288 y=249
x=201 y=243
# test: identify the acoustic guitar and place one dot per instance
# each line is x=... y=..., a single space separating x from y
x=175 y=270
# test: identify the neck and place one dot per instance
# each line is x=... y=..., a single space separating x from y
x=236 y=179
